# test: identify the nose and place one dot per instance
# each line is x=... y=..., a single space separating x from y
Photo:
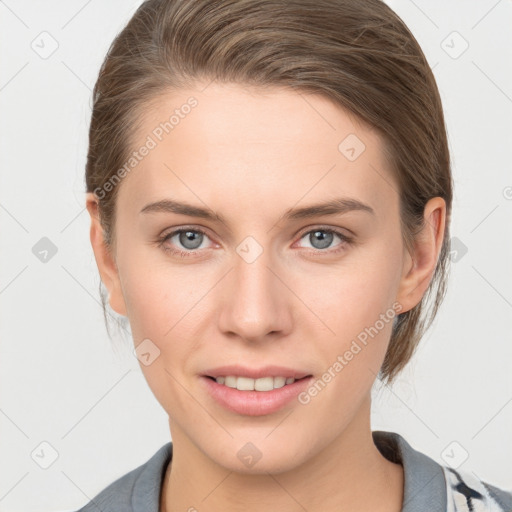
x=256 y=303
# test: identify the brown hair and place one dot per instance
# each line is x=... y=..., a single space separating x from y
x=359 y=54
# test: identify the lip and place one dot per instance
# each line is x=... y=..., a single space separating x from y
x=256 y=373
x=254 y=403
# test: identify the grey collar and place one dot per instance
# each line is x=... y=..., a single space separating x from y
x=424 y=482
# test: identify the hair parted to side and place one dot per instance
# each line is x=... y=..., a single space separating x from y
x=358 y=54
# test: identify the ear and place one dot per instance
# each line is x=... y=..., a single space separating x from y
x=419 y=266
x=104 y=258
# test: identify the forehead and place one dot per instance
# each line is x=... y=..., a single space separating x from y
x=248 y=145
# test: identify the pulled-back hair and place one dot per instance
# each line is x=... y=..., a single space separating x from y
x=356 y=53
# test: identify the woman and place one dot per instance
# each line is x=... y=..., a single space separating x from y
x=270 y=191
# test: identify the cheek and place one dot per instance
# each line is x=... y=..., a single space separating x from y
x=163 y=304
x=358 y=307
x=157 y=295
x=157 y=306
x=355 y=294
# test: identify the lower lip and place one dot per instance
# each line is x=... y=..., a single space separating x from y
x=255 y=403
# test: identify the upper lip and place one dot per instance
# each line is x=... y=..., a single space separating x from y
x=255 y=373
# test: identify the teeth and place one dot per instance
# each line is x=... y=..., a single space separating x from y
x=248 y=384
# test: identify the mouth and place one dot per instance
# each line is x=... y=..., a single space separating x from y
x=254 y=397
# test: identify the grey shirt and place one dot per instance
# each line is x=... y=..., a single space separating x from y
x=428 y=486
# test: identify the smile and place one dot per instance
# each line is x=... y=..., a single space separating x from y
x=248 y=384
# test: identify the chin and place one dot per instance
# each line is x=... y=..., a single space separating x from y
x=251 y=458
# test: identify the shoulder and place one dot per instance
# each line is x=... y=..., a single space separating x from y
x=466 y=492
x=137 y=490
x=443 y=488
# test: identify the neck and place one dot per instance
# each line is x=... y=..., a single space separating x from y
x=337 y=478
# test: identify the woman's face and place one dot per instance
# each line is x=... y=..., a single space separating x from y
x=264 y=286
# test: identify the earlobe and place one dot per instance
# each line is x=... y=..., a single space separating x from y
x=419 y=266
x=105 y=261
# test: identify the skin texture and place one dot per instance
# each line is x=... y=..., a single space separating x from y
x=250 y=155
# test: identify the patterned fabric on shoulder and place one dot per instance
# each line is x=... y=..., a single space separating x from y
x=467 y=493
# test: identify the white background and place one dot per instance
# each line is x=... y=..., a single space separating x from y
x=61 y=380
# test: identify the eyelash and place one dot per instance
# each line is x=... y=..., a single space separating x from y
x=192 y=253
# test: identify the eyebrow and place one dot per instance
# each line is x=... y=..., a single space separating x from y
x=333 y=207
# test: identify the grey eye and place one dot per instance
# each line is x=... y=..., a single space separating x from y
x=320 y=238
x=190 y=239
